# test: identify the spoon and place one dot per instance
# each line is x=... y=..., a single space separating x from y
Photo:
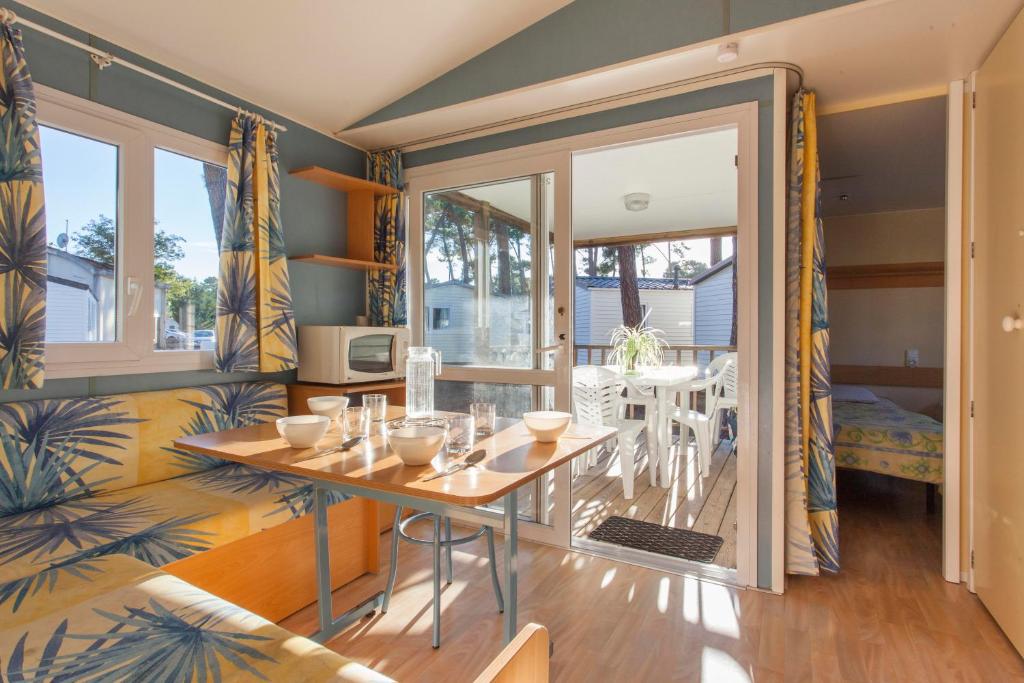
x=470 y=461
x=347 y=445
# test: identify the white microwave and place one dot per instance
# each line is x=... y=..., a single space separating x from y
x=339 y=354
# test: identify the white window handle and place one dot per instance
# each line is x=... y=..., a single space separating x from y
x=560 y=346
x=134 y=295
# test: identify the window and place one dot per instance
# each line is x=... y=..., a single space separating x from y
x=80 y=177
x=478 y=259
x=133 y=213
x=440 y=318
x=189 y=202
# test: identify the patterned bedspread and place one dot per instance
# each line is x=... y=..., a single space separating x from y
x=882 y=437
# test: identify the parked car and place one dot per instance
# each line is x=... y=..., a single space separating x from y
x=206 y=340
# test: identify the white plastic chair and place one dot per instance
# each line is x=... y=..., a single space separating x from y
x=597 y=400
x=727 y=400
x=646 y=398
x=701 y=423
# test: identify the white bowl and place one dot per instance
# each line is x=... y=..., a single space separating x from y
x=417 y=444
x=547 y=425
x=328 y=406
x=303 y=431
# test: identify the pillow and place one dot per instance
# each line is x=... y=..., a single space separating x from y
x=852 y=394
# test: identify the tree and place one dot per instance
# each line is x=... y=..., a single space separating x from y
x=629 y=289
x=97 y=240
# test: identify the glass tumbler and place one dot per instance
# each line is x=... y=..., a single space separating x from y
x=484 y=414
x=376 y=407
x=461 y=434
x=355 y=422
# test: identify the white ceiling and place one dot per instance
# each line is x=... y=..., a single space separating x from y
x=890 y=158
x=852 y=56
x=322 y=63
x=691 y=179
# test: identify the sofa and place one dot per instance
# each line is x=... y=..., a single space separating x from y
x=94 y=499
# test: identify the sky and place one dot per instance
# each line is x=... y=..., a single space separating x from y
x=80 y=183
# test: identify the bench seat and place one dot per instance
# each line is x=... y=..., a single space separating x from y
x=158 y=523
x=122 y=618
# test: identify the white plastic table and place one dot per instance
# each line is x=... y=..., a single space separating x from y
x=666 y=381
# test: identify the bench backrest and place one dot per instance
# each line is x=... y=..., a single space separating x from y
x=52 y=450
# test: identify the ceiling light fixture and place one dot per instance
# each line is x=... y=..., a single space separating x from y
x=728 y=52
x=637 y=201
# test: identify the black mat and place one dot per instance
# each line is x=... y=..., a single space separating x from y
x=654 y=538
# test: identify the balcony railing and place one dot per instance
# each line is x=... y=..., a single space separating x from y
x=676 y=354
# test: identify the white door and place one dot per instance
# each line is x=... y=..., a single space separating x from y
x=998 y=355
x=482 y=250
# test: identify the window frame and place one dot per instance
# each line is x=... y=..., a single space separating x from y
x=137 y=139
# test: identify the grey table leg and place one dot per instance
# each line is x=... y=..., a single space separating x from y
x=329 y=626
x=437 y=582
x=511 y=564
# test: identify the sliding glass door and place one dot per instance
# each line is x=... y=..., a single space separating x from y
x=488 y=300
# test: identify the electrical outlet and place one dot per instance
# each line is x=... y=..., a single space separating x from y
x=911 y=358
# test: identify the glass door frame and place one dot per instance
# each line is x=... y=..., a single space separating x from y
x=424 y=180
x=556 y=156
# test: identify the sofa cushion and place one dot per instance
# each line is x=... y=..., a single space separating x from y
x=157 y=523
x=125 y=620
x=56 y=450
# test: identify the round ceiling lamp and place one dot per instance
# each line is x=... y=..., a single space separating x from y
x=637 y=201
x=728 y=52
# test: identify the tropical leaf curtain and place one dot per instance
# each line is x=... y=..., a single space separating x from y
x=255 y=323
x=385 y=288
x=812 y=523
x=22 y=222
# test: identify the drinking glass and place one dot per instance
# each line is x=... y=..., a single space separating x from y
x=356 y=422
x=484 y=414
x=376 y=406
x=461 y=434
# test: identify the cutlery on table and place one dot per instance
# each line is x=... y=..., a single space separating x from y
x=471 y=460
x=347 y=445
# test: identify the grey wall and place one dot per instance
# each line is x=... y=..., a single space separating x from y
x=591 y=34
x=313 y=216
x=759 y=90
x=712 y=311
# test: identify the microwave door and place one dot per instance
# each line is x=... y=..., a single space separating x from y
x=372 y=354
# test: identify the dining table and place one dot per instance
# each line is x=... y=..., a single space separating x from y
x=666 y=381
x=371 y=469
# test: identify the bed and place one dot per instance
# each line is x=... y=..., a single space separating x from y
x=879 y=436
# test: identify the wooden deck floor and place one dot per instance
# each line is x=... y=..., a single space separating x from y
x=887 y=616
x=706 y=504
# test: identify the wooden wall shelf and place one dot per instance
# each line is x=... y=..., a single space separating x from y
x=887 y=275
x=340 y=181
x=339 y=262
x=361 y=195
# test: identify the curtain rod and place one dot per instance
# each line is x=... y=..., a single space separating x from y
x=105 y=59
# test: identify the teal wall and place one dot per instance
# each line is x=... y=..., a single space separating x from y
x=759 y=90
x=592 y=34
x=313 y=216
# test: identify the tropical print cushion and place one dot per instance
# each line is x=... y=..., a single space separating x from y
x=157 y=523
x=56 y=450
x=128 y=621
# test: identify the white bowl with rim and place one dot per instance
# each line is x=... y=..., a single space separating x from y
x=328 y=406
x=547 y=425
x=303 y=431
x=417 y=444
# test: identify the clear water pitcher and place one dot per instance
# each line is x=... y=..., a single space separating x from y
x=422 y=365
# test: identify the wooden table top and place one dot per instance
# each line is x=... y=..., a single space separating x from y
x=513 y=459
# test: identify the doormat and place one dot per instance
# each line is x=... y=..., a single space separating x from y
x=654 y=538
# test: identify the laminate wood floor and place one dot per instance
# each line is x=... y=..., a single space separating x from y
x=691 y=501
x=888 y=616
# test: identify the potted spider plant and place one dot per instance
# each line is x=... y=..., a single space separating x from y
x=636 y=346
